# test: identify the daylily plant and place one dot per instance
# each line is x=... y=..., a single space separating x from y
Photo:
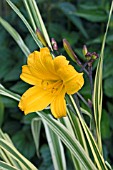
x=51 y=78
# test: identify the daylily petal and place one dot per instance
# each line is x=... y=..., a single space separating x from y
x=58 y=105
x=35 y=99
x=44 y=51
x=72 y=80
x=28 y=77
x=67 y=72
x=41 y=65
x=75 y=84
x=32 y=58
x=60 y=62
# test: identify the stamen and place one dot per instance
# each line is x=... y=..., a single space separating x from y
x=52 y=86
x=45 y=84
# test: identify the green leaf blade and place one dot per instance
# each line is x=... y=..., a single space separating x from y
x=17 y=11
x=69 y=141
x=16 y=36
x=6 y=166
x=98 y=91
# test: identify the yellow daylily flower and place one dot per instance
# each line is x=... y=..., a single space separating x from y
x=52 y=79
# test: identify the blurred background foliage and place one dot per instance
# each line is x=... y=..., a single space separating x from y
x=80 y=22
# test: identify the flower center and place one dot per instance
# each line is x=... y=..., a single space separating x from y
x=52 y=86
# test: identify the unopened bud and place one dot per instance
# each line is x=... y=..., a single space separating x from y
x=85 y=51
x=94 y=56
x=54 y=44
x=88 y=56
x=70 y=52
x=41 y=37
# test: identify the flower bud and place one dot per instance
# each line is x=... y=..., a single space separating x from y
x=41 y=37
x=70 y=52
x=88 y=55
x=54 y=44
x=94 y=56
x=85 y=51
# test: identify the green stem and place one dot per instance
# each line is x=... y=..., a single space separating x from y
x=82 y=98
x=90 y=79
x=84 y=66
x=92 y=122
